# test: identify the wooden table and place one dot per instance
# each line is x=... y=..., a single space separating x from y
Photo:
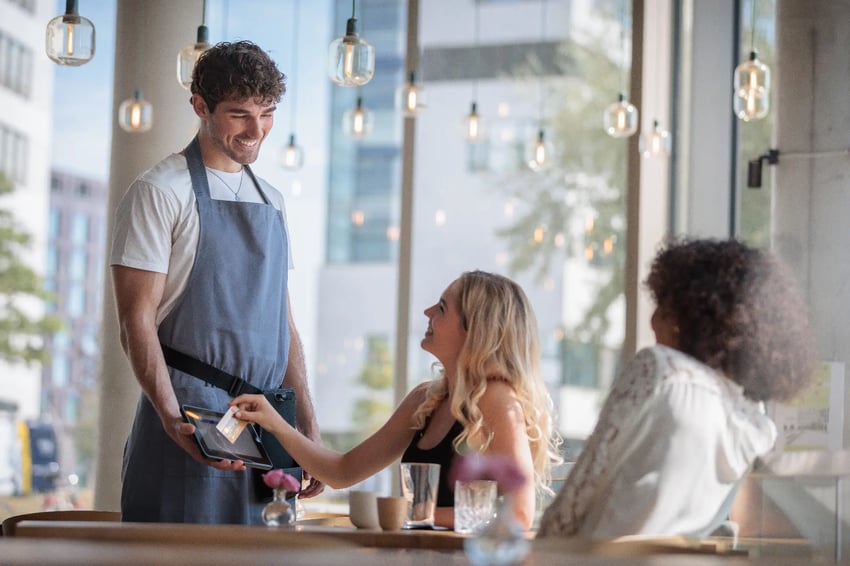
x=302 y=535
x=19 y=551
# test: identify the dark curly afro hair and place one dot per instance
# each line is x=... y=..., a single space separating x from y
x=237 y=71
x=738 y=310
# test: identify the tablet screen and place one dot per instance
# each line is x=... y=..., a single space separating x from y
x=247 y=447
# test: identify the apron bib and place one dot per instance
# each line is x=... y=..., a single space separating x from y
x=232 y=315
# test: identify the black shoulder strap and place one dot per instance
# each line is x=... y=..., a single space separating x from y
x=187 y=364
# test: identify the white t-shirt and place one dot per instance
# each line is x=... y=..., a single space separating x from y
x=156 y=222
x=673 y=439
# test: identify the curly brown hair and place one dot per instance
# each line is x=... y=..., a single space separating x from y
x=738 y=310
x=237 y=71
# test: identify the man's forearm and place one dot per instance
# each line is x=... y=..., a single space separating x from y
x=296 y=378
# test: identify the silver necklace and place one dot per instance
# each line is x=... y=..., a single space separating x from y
x=241 y=178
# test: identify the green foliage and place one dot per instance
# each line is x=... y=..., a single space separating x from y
x=579 y=202
x=376 y=376
x=20 y=333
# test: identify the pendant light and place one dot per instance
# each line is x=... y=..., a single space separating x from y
x=351 y=60
x=752 y=82
x=135 y=114
x=292 y=156
x=359 y=121
x=410 y=97
x=621 y=117
x=188 y=56
x=655 y=143
x=540 y=154
x=474 y=126
x=70 y=37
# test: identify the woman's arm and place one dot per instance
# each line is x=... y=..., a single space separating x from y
x=504 y=420
x=329 y=466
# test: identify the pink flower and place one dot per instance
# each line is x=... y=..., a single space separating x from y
x=498 y=467
x=277 y=479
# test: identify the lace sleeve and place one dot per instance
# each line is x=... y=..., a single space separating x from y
x=566 y=515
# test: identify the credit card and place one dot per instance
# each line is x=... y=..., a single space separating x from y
x=230 y=426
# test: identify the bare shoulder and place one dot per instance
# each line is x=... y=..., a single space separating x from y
x=499 y=398
x=417 y=395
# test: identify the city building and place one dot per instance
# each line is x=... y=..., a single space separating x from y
x=26 y=96
x=75 y=271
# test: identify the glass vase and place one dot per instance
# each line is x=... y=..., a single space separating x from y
x=278 y=512
x=500 y=543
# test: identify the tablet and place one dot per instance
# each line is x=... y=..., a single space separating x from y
x=214 y=445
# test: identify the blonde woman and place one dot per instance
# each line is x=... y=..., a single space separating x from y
x=488 y=397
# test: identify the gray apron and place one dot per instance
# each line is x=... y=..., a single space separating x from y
x=232 y=315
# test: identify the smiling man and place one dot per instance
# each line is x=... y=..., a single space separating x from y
x=200 y=257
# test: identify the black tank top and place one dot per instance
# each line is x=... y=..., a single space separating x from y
x=443 y=453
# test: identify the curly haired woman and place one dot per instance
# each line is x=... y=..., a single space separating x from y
x=684 y=421
x=489 y=396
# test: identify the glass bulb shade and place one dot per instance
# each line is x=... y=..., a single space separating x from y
x=752 y=89
x=351 y=59
x=474 y=125
x=292 y=156
x=186 y=60
x=620 y=119
x=540 y=153
x=358 y=122
x=70 y=40
x=135 y=115
x=410 y=98
x=655 y=143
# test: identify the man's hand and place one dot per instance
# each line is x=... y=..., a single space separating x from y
x=181 y=433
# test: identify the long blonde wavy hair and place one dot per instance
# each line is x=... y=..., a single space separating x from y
x=502 y=343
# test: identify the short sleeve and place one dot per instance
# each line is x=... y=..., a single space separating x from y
x=143 y=230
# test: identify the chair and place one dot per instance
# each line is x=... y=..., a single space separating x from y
x=10 y=523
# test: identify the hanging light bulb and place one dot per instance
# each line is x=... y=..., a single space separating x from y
x=70 y=37
x=752 y=89
x=620 y=118
x=351 y=59
x=410 y=97
x=188 y=56
x=135 y=115
x=474 y=125
x=292 y=156
x=540 y=153
x=656 y=142
x=359 y=121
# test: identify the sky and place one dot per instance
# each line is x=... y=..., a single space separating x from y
x=81 y=128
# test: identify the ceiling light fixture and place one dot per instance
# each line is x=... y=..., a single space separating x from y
x=752 y=82
x=188 y=56
x=351 y=59
x=621 y=118
x=70 y=38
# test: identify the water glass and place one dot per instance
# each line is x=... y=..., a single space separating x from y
x=419 y=485
x=475 y=505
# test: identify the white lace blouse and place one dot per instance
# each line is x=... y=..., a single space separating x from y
x=672 y=441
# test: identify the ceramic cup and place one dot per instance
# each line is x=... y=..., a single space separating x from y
x=392 y=512
x=363 y=509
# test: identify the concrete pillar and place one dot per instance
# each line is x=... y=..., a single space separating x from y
x=148 y=36
x=812 y=188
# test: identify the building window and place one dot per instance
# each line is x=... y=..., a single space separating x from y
x=59 y=375
x=76 y=301
x=25 y=5
x=14 y=149
x=16 y=62
x=80 y=229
